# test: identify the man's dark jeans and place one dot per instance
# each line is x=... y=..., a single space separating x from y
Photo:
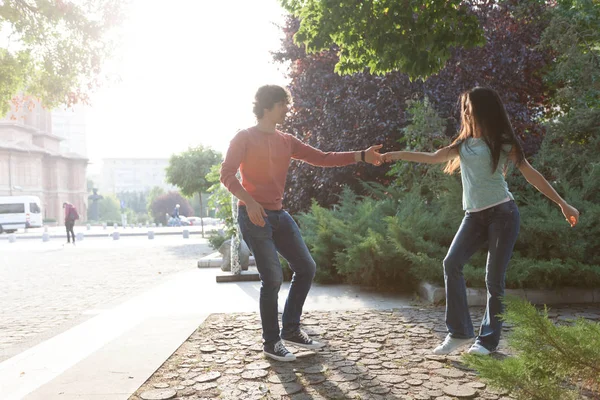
x=499 y=227
x=69 y=224
x=279 y=235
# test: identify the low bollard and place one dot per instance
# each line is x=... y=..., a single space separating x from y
x=186 y=234
x=154 y=224
x=160 y=225
x=88 y=226
x=79 y=236
x=12 y=238
x=150 y=235
x=115 y=235
x=104 y=226
x=45 y=237
x=115 y=226
x=45 y=229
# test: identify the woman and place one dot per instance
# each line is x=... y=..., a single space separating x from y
x=485 y=144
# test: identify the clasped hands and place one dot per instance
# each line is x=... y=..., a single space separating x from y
x=372 y=155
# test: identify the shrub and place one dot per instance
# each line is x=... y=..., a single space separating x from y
x=551 y=361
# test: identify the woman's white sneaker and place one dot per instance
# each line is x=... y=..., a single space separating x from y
x=450 y=344
x=479 y=350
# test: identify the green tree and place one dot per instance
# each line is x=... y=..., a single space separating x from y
x=109 y=209
x=188 y=172
x=55 y=49
x=220 y=200
x=413 y=36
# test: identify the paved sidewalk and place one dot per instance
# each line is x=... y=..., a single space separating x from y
x=370 y=354
x=120 y=338
x=47 y=288
x=110 y=355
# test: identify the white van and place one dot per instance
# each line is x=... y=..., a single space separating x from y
x=19 y=212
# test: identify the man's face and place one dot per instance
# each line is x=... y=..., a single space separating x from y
x=278 y=112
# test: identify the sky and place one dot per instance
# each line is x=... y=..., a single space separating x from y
x=188 y=71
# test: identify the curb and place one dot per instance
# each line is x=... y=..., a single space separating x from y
x=478 y=297
x=102 y=235
x=215 y=260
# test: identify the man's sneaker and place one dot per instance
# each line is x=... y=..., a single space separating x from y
x=301 y=339
x=450 y=344
x=479 y=350
x=279 y=352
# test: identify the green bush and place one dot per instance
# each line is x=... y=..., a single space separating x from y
x=551 y=361
x=391 y=240
x=216 y=240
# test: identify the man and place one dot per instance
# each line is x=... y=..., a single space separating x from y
x=71 y=216
x=263 y=154
x=176 y=219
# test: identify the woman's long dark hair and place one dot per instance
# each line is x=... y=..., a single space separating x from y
x=482 y=111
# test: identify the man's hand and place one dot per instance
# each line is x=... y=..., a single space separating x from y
x=372 y=155
x=256 y=212
x=387 y=157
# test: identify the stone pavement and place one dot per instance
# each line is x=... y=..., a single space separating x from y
x=47 y=288
x=370 y=354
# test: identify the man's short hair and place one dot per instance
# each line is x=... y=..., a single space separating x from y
x=269 y=95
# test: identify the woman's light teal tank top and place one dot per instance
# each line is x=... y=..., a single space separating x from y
x=481 y=187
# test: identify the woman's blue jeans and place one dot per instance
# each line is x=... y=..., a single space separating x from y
x=498 y=227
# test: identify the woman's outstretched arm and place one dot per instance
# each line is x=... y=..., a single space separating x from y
x=442 y=155
x=538 y=181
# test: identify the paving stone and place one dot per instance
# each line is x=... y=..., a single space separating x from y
x=314 y=379
x=282 y=378
x=254 y=374
x=460 y=391
x=449 y=372
x=391 y=378
x=258 y=365
x=370 y=361
x=285 y=388
x=158 y=394
x=234 y=371
x=379 y=389
x=210 y=376
x=161 y=385
x=202 y=387
x=315 y=369
x=340 y=377
x=357 y=369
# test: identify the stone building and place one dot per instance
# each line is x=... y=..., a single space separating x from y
x=31 y=162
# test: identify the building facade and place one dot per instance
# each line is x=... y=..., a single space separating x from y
x=71 y=126
x=31 y=163
x=134 y=175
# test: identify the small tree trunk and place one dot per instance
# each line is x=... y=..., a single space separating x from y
x=201 y=214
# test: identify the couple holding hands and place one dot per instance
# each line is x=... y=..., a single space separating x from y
x=485 y=145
